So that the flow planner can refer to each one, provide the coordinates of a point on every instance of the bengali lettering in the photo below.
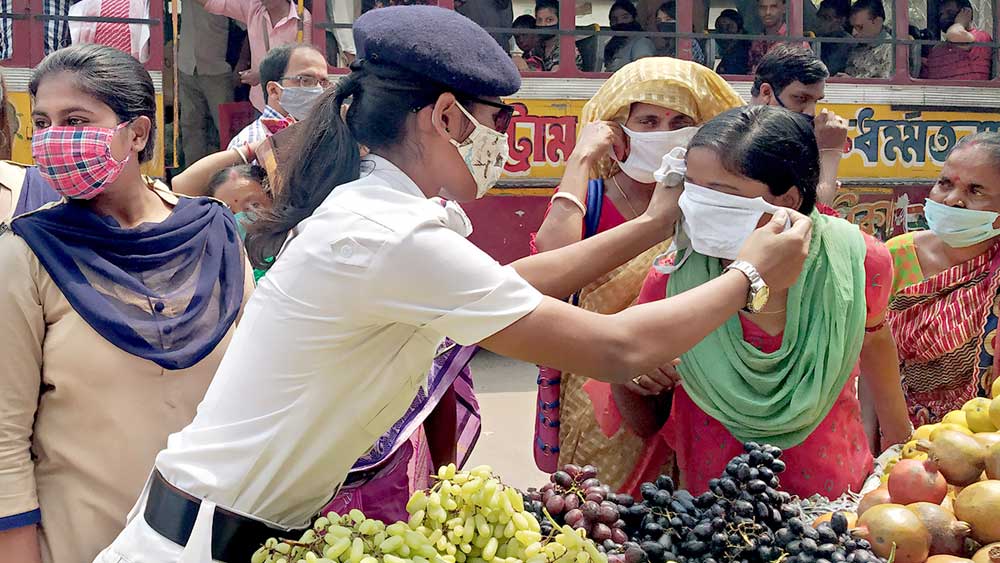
(539, 140)
(910, 141)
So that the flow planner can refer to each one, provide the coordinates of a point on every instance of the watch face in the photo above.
(759, 299)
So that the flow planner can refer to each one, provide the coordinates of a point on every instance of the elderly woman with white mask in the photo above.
(642, 112)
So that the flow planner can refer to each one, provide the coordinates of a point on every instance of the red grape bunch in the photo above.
(575, 496)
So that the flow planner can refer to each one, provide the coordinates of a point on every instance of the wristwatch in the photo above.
(759, 292)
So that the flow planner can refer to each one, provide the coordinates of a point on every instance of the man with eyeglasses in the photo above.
(293, 77)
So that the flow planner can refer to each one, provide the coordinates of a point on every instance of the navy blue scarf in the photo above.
(35, 192)
(167, 292)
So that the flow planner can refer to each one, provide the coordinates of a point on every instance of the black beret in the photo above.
(440, 44)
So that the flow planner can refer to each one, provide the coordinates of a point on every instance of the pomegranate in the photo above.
(888, 525)
(988, 554)
(947, 533)
(913, 481)
(874, 498)
(979, 505)
(959, 457)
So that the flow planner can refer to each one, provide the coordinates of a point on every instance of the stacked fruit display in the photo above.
(744, 517)
(575, 496)
(468, 516)
(940, 501)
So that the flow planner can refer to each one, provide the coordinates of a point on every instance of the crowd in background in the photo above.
(222, 44)
(124, 318)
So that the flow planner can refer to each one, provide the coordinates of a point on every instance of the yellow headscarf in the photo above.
(683, 86)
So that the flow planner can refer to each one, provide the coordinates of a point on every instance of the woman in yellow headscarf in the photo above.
(639, 115)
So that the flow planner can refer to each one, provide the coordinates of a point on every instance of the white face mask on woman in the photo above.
(717, 223)
(959, 227)
(647, 149)
(712, 223)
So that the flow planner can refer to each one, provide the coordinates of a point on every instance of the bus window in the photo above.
(66, 22)
(545, 53)
(743, 31)
(336, 26)
(833, 32)
(956, 42)
(629, 41)
(495, 16)
(340, 48)
(727, 51)
(869, 52)
(56, 31)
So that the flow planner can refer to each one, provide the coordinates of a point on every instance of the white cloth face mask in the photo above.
(646, 151)
(714, 224)
(673, 168)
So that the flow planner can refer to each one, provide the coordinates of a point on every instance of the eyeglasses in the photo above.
(502, 119)
(307, 81)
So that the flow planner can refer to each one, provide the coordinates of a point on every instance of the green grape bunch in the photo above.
(351, 538)
(466, 517)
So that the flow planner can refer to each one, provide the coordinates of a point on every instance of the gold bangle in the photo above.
(243, 157)
(572, 199)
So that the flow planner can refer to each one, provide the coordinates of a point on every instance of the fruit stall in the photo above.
(935, 500)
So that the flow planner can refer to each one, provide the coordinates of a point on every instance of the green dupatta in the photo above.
(781, 397)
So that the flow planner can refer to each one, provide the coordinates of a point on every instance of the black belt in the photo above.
(172, 513)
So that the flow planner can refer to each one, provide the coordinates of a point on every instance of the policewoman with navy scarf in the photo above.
(373, 271)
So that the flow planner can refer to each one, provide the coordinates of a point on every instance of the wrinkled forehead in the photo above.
(972, 165)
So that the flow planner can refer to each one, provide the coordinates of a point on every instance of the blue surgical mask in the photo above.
(243, 219)
(959, 227)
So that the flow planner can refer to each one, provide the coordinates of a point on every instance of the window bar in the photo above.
(567, 39)
(156, 54)
(684, 16)
(793, 18)
(995, 55)
(20, 35)
(901, 19)
(36, 33)
(319, 38)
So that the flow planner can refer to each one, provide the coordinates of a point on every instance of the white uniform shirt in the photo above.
(333, 345)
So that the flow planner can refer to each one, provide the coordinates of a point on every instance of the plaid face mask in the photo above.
(77, 161)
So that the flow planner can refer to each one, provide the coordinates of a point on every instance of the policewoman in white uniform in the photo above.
(373, 271)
